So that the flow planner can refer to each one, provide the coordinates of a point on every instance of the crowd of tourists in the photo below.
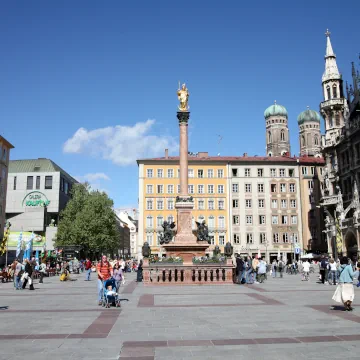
(342, 272)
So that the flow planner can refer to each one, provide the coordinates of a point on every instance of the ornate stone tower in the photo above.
(277, 131)
(309, 133)
(332, 108)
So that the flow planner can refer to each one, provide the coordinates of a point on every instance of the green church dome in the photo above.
(308, 116)
(275, 110)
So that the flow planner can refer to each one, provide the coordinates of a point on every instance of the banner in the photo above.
(38, 241)
(339, 243)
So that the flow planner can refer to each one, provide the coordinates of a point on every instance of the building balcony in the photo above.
(332, 102)
(329, 200)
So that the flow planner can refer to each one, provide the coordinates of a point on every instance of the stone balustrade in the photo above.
(195, 274)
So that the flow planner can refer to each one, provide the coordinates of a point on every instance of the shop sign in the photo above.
(35, 198)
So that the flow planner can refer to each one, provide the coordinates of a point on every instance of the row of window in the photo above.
(30, 182)
(211, 223)
(305, 170)
(210, 173)
(285, 220)
(261, 203)
(261, 188)
(170, 173)
(171, 203)
(191, 189)
(277, 238)
(282, 135)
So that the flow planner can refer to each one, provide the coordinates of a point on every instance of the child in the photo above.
(110, 291)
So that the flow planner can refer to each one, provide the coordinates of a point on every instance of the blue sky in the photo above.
(92, 85)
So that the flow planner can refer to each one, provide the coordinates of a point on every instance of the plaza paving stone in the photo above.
(281, 319)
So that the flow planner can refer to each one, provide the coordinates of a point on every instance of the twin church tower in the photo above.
(276, 116)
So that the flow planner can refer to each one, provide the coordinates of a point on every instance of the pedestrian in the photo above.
(239, 268)
(306, 270)
(117, 274)
(27, 276)
(323, 267)
(255, 263)
(344, 292)
(274, 268)
(261, 270)
(17, 274)
(249, 278)
(333, 271)
(280, 267)
(139, 272)
(42, 272)
(104, 271)
(88, 266)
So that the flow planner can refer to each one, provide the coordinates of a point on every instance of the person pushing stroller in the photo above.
(105, 272)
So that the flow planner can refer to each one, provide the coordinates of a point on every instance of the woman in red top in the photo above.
(104, 271)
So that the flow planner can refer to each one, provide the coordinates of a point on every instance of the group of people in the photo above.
(115, 269)
(251, 270)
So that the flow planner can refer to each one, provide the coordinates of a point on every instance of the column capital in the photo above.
(183, 117)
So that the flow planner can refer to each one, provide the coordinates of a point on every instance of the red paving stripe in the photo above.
(250, 341)
(103, 324)
(129, 289)
(148, 300)
(4, 311)
(254, 287)
(338, 311)
(264, 299)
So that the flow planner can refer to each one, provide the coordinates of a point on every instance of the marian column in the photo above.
(184, 202)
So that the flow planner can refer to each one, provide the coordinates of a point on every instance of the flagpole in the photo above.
(7, 249)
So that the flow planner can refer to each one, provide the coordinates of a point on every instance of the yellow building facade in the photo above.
(159, 185)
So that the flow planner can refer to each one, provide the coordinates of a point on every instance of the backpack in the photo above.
(323, 264)
(280, 265)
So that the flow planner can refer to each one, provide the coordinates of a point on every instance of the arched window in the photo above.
(201, 218)
(269, 137)
(159, 221)
(282, 135)
(328, 92)
(221, 222)
(170, 219)
(337, 119)
(149, 221)
(316, 140)
(270, 154)
(302, 140)
(334, 91)
(211, 222)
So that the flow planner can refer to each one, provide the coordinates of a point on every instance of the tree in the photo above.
(88, 220)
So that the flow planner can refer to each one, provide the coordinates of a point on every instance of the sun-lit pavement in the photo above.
(281, 319)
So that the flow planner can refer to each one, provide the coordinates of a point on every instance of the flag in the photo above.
(18, 248)
(339, 241)
(3, 244)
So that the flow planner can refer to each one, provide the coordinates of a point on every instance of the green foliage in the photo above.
(88, 220)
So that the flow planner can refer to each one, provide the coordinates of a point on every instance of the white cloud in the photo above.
(94, 180)
(122, 145)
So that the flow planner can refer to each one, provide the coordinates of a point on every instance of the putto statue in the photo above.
(202, 231)
(168, 233)
(183, 96)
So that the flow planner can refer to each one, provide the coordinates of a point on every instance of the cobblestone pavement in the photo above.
(281, 319)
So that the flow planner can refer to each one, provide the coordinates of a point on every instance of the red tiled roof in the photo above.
(274, 159)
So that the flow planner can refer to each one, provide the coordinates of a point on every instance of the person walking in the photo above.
(88, 266)
(255, 264)
(323, 267)
(333, 271)
(28, 275)
(281, 267)
(306, 270)
(17, 275)
(239, 269)
(42, 272)
(274, 268)
(261, 270)
(344, 292)
(105, 272)
(117, 274)
(139, 273)
(249, 279)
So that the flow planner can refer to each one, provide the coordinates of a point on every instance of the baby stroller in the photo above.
(109, 299)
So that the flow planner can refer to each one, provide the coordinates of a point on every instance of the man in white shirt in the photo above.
(306, 270)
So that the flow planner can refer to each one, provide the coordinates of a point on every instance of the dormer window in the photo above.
(334, 91)
(328, 93)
